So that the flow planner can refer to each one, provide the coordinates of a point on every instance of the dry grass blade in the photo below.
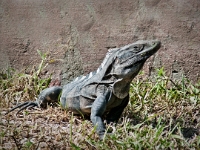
(161, 115)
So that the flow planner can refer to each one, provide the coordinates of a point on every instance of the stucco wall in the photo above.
(77, 34)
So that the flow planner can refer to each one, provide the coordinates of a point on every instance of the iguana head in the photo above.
(128, 60)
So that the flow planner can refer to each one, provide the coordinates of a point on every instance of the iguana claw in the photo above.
(24, 106)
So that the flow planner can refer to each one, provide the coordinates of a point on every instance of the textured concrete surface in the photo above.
(77, 34)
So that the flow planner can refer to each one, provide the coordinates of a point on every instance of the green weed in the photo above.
(161, 114)
(20, 86)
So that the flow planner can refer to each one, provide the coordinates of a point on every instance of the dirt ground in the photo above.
(76, 35)
(43, 129)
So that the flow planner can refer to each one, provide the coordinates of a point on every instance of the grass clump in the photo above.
(20, 86)
(161, 114)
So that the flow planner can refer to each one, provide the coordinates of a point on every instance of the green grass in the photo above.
(161, 114)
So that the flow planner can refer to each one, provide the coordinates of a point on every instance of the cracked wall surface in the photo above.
(77, 34)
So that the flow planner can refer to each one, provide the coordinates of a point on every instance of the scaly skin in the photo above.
(104, 92)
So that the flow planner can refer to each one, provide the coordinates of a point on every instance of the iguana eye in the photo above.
(138, 47)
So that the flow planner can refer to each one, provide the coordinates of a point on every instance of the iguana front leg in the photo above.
(97, 110)
(115, 113)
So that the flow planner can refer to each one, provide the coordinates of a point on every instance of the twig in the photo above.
(16, 143)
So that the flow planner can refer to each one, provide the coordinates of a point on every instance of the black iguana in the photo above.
(104, 92)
